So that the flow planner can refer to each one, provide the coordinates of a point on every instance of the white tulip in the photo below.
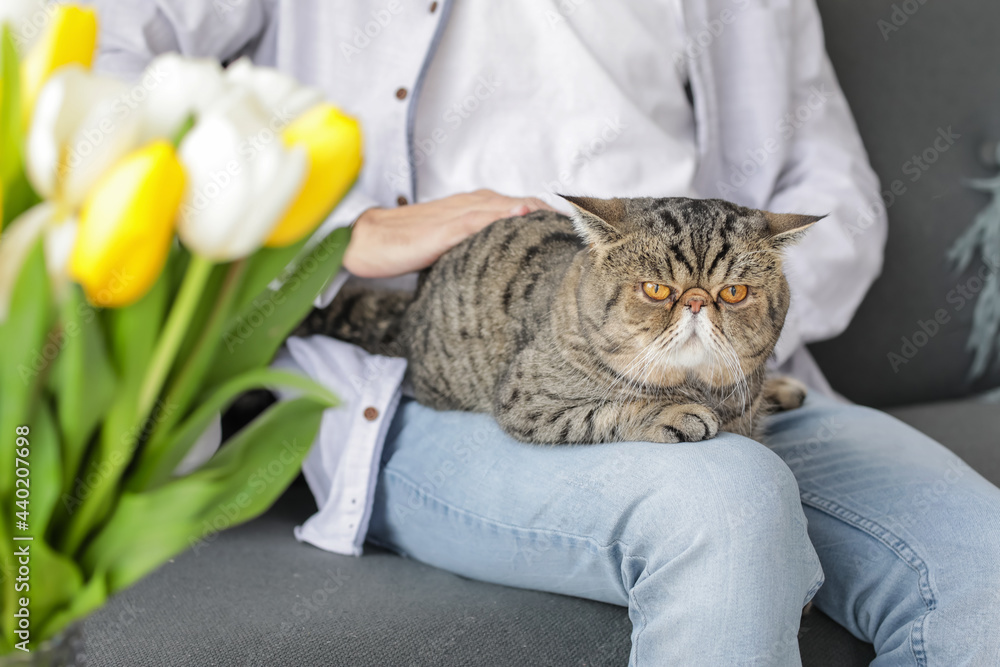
(241, 180)
(283, 97)
(176, 88)
(81, 127)
(59, 231)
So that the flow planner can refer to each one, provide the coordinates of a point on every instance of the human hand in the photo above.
(391, 242)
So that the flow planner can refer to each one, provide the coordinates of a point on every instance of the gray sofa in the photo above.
(254, 596)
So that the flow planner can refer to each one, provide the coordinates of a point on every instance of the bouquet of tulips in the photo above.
(155, 252)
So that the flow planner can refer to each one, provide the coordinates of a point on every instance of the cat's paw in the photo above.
(687, 423)
(784, 393)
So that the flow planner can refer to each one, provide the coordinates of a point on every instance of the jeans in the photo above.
(715, 546)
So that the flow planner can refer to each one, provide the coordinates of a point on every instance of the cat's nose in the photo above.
(694, 303)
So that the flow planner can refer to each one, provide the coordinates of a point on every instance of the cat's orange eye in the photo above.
(656, 291)
(733, 293)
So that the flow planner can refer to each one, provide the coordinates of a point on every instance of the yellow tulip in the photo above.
(70, 39)
(332, 141)
(127, 226)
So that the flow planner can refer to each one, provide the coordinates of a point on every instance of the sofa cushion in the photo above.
(255, 596)
(910, 71)
(970, 428)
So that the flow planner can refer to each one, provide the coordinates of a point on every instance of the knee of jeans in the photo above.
(739, 496)
(971, 582)
(955, 619)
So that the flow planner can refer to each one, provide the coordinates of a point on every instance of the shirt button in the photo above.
(434, 7)
(371, 414)
(401, 200)
(401, 94)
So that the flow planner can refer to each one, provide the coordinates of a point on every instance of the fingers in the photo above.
(473, 221)
(530, 205)
(535, 204)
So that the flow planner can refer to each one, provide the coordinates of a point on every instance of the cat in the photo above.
(638, 319)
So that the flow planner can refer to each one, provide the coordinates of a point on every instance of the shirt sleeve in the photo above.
(134, 32)
(827, 173)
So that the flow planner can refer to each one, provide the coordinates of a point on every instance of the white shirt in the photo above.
(616, 119)
(769, 129)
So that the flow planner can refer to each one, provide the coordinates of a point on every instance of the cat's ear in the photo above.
(597, 220)
(788, 228)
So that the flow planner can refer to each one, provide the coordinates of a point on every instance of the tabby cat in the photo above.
(634, 320)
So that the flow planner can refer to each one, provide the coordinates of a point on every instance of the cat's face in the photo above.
(682, 288)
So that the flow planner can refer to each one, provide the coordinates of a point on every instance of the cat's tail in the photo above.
(369, 318)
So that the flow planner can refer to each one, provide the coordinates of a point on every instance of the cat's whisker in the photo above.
(728, 356)
(641, 361)
(630, 383)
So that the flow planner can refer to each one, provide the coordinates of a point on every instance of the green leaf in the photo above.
(82, 600)
(83, 381)
(204, 310)
(264, 323)
(162, 456)
(54, 577)
(11, 154)
(24, 358)
(56, 582)
(18, 195)
(240, 482)
(266, 265)
(190, 369)
(101, 472)
(132, 331)
(46, 467)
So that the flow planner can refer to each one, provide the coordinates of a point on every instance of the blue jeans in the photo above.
(715, 547)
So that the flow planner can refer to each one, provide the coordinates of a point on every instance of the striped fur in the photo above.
(541, 321)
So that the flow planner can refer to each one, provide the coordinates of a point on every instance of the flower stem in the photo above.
(183, 131)
(170, 340)
(186, 382)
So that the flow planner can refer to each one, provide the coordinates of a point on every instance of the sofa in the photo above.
(254, 596)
